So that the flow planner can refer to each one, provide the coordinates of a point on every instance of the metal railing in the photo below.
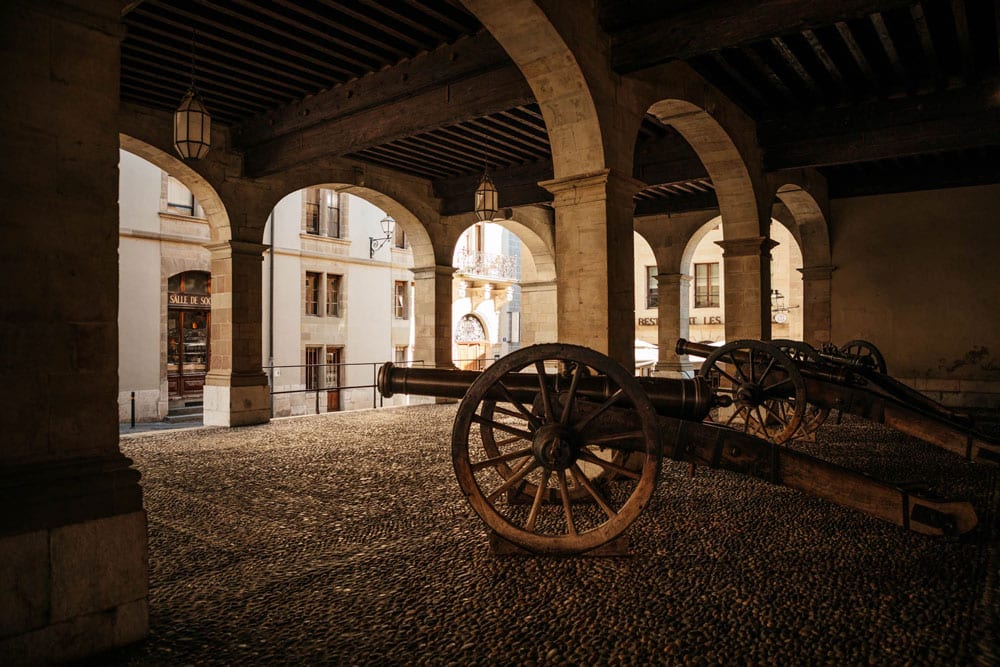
(488, 265)
(316, 374)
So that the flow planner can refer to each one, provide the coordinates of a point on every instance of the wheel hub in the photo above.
(750, 393)
(555, 446)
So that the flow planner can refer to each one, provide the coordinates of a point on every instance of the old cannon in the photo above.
(558, 448)
(781, 392)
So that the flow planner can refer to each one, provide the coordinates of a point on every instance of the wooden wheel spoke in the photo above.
(780, 383)
(479, 419)
(522, 472)
(608, 465)
(739, 369)
(732, 417)
(536, 504)
(604, 406)
(571, 394)
(510, 456)
(727, 375)
(543, 386)
(567, 508)
(752, 365)
(767, 370)
(777, 414)
(598, 497)
(517, 404)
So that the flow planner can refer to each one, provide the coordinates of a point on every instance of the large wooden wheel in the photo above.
(767, 391)
(555, 483)
(866, 352)
(798, 350)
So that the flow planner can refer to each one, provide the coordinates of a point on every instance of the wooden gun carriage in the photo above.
(784, 390)
(557, 448)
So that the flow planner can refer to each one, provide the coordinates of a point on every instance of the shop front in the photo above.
(189, 320)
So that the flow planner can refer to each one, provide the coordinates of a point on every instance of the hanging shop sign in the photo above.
(189, 300)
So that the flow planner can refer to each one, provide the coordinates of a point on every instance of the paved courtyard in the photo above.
(344, 539)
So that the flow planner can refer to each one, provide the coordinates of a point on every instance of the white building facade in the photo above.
(336, 304)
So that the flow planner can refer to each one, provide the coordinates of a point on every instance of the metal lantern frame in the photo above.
(192, 127)
(486, 199)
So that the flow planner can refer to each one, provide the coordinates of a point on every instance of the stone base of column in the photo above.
(231, 400)
(674, 369)
(73, 560)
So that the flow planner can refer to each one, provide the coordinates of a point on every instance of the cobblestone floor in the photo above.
(344, 539)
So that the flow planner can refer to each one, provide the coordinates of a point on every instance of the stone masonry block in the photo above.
(24, 582)
(98, 565)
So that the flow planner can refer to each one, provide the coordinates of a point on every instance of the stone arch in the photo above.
(208, 197)
(726, 165)
(405, 207)
(555, 76)
(804, 196)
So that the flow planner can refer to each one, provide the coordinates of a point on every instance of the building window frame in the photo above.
(401, 300)
(334, 294)
(312, 283)
(706, 285)
(652, 288)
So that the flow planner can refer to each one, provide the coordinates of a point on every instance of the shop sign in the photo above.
(647, 321)
(192, 300)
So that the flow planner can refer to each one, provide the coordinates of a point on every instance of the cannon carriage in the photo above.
(558, 448)
(783, 391)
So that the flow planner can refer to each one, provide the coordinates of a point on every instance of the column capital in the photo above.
(592, 186)
(817, 272)
(231, 248)
(427, 272)
(745, 247)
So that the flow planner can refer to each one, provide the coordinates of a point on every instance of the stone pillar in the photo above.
(747, 270)
(594, 259)
(674, 308)
(73, 544)
(538, 313)
(432, 293)
(236, 391)
(816, 300)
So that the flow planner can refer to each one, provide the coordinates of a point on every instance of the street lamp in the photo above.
(376, 242)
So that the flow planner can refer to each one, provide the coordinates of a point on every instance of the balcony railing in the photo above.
(489, 266)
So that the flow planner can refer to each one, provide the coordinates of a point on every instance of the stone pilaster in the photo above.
(539, 306)
(73, 544)
(432, 292)
(594, 258)
(674, 290)
(236, 391)
(816, 308)
(747, 271)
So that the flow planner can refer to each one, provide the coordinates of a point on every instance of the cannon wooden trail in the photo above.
(558, 448)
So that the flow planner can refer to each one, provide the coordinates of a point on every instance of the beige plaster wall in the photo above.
(916, 275)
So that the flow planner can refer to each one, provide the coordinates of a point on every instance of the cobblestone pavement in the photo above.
(344, 539)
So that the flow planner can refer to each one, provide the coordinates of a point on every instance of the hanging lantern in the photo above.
(486, 199)
(192, 127)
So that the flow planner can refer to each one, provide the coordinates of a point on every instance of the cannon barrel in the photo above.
(836, 374)
(689, 399)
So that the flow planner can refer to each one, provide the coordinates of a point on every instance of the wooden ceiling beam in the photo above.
(927, 44)
(844, 30)
(889, 48)
(398, 114)
(964, 118)
(964, 40)
(705, 27)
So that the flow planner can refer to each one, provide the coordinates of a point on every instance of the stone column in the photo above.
(236, 391)
(674, 291)
(816, 300)
(594, 258)
(747, 271)
(538, 313)
(432, 291)
(73, 543)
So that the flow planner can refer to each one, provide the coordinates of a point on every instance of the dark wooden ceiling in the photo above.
(881, 96)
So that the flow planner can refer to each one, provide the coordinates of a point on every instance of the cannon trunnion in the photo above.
(557, 448)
